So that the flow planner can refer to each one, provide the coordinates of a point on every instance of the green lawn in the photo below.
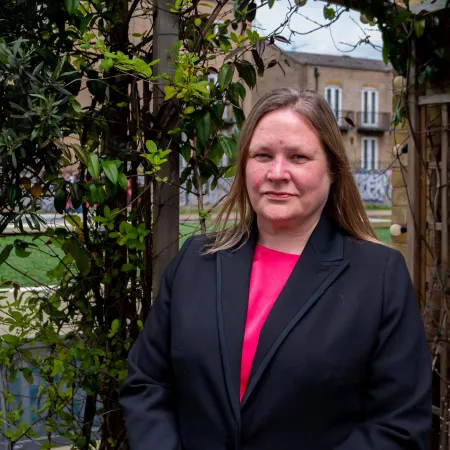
(35, 265)
(40, 261)
(375, 207)
(384, 235)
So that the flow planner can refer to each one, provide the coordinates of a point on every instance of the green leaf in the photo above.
(203, 127)
(259, 62)
(231, 172)
(247, 73)
(91, 194)
(13, 195)
(329, 13)
(169, 92)
(76, 195)
(186, 151)
(228, 145)
(123, 182)
(79, 254)
(216, 152)
(94, 165)
(71, 5)
(151, 147)
(115, 325)
(385, 53)
(74, 220)
(225, 75)
(419, 27)
(10, 338)
(80, 153)
(128, 267)
(5, 253)
(21, 252)
(111, 171)
(251, 12)
(57, 367)
(237, 91)
(26, 372)
(60, 200)
(126, 227)
(100, 194)
(239, 116)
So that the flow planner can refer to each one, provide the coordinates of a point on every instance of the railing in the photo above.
(373, 121)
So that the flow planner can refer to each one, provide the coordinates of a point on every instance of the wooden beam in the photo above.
(166, 196)
(436, 99)
(413, 258)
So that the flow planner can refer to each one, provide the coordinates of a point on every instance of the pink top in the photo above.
(270, 271)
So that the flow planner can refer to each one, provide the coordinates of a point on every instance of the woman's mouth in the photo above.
(278, 195)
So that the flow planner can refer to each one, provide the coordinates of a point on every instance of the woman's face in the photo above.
(287, 175)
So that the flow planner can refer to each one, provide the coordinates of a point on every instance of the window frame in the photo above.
(372, 110)
(215, 77)
(336, 111)
(372, 153)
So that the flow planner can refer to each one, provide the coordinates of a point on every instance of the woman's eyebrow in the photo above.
(260, 146)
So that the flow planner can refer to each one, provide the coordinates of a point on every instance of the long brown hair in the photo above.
(344, 204)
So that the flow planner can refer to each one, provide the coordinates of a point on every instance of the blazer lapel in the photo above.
(233, 283)
(319, 265)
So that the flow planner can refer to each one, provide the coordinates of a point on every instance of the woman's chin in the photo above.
(280, 217)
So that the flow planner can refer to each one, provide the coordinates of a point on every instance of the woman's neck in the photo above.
(285, 238)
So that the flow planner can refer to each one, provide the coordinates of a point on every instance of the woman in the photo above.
(294, 329)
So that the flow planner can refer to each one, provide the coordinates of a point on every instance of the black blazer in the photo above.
(342, 361)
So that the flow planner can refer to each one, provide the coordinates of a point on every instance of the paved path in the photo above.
(379, 212)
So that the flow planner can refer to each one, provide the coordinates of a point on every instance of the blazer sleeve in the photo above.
(148, 394)
(397, 397)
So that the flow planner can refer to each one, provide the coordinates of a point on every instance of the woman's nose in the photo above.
(278, 170)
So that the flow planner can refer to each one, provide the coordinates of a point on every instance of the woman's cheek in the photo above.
(255, 177)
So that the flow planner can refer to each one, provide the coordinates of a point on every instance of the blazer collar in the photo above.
(326, 240)
(319, 265)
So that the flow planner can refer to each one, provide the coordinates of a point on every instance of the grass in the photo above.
(41, 259)
(384, 235)
(35, 266)
(374, 206)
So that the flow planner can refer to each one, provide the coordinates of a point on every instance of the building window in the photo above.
(213, 77)
(369, 156)
(369, 107)
(225, 113)
(333, 95)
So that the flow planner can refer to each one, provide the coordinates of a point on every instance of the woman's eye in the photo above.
(262, 156)
(300, 158)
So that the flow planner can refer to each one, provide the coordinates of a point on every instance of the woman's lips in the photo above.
(278, 195)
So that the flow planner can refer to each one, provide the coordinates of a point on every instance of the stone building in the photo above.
(357, 88)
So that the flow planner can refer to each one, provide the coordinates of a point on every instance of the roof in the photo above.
(345, 62)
